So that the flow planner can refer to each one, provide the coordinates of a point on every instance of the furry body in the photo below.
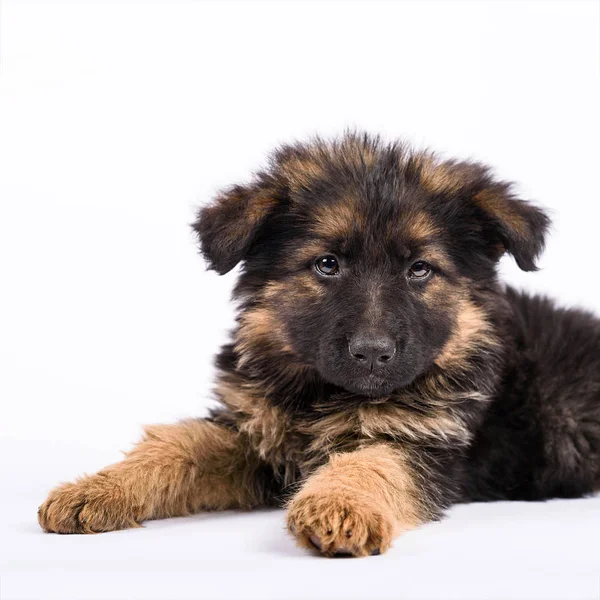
(487, 393)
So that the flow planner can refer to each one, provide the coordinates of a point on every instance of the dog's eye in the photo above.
(420, 270)
(327, 265)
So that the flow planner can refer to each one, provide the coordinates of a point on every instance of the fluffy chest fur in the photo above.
(295, 444)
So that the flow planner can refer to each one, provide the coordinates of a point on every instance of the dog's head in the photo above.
(361, 260)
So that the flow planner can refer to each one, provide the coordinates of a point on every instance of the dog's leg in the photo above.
(175, 470)
(356, 503)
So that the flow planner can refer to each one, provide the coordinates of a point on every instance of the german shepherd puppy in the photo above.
(378, 372)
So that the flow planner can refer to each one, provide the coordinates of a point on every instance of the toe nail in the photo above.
(376, 552)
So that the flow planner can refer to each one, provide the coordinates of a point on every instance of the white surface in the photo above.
(116, 119)
(546, 551)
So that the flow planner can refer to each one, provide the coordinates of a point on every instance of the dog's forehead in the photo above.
(358, 190)
(383, 198)
(386, 220)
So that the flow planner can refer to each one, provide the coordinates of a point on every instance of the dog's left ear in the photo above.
(505, 223)
(511, 225)
(228, 226)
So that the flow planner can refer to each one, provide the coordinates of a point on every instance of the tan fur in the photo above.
(284, 292)
(259, 207)
(175, 470)
(306, 165)
(437, 255)
(344, 429)
(439, 177)
(420, 227)
(275, 290)
(356, 503)
(392, 421)
(339, 220)
(267, 427)
(354, 151)
(438, 391)
(497, 205)
(451, 177)
(301, 171)
(261, 330)
(440, 291)
(260, 327)
(471, 330)
(308, 252)
(305, 284)
(251, 210)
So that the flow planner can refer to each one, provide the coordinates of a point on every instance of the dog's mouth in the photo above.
(374, 388)
(377, 389)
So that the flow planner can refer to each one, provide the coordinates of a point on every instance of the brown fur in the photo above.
(340, 222)
(265, 426)
(260, 326)
(471, 329)
(175, 470)
(444, 176)
(356, 503)
(253, 209)
(300, 171)
(494, 204)
(421, 227)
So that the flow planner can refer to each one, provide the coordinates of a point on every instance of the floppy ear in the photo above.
(506, 223)
(512, 225)
(227, 227)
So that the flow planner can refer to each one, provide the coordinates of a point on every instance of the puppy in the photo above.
(378, 372)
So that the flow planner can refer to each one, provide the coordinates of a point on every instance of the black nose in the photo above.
(371, 350)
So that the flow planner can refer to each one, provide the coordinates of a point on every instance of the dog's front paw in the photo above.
(90, 505)
(338, 521)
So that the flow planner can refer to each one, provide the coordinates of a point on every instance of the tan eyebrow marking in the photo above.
(420, 226)
(309, 251)
(340, 219)
(435, 253)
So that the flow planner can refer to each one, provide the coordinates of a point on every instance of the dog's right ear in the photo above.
(228, 226)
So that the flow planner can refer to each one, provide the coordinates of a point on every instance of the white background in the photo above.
(116, 120)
